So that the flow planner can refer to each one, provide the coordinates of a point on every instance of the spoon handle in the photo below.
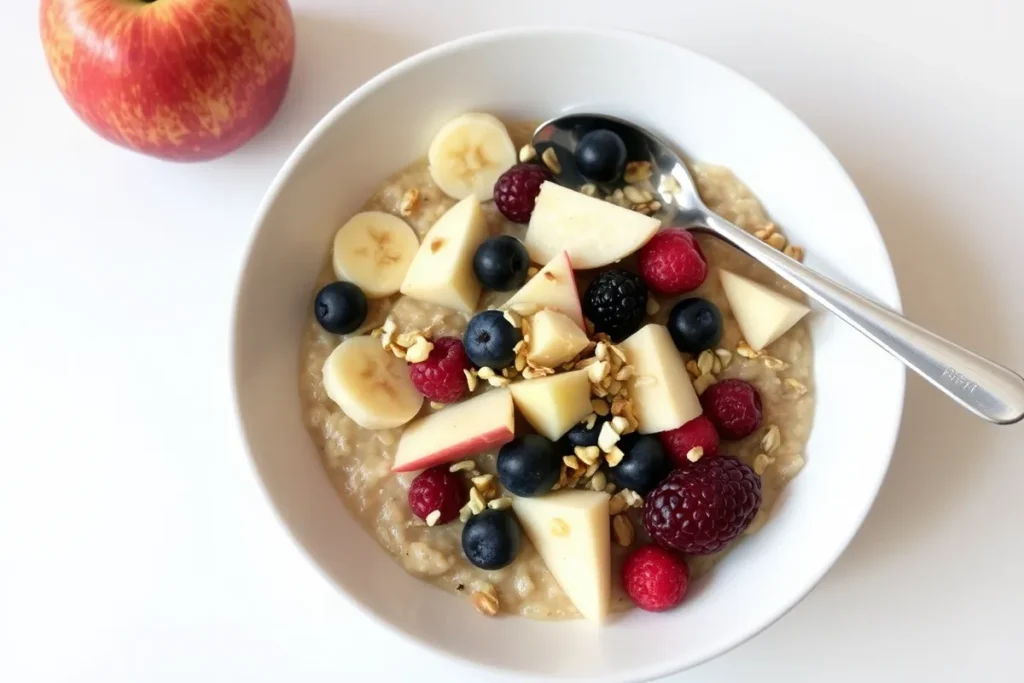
(985, 388)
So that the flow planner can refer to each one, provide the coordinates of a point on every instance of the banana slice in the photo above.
(468, 155)
(373, 250)
(370, 385)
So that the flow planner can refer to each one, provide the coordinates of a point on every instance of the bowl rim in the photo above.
(891, 297)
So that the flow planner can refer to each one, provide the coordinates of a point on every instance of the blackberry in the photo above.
(616, 302)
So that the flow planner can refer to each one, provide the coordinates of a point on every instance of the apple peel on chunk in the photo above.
(593, 232)
(663, 395)
(763, 314)
(553, 287)
(461, 430)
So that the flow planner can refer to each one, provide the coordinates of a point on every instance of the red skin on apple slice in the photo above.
(478, 444)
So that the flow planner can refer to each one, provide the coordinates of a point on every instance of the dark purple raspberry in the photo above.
(699, 510)
(515, 193)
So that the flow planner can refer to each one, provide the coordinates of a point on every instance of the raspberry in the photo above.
(516, 191)
(437, 489)
(672, 263)
(734, 407)
(616, 302)
(697, 432)
(440, 377)
(700, 509)
(654, 578)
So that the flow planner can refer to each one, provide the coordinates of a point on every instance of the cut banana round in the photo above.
(373, 250)
(468, 155)
(370, 385)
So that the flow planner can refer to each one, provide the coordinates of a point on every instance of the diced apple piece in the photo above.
(663, 396)
(554, 404)
(554, 339)
(441, 272)
(763, 314)
(474, 426)
(570, 531)
(594, 232)
(553, 287)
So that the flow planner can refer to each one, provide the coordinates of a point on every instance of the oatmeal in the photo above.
(359, 460)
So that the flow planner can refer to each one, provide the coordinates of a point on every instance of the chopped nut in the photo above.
(588, 454)
(625, 373)
(600, 407)
(485, 484)
(776, 364)
(693, 368)
(550, 159)
(618, 196)
(476, 501)
(761, 463)
(514, 319)
(590, 421)
(619, 353)
(419, 351)
(601, 351)
(397, 350)
(716, 367)
(766, 232)
(695, 453)
(586, 363)
(598, 480)
(560, 528)
(725, 356)
(465, 512)
(592, 469)
(589, 189)
(499, 381)
(508, 372)
(436, 406)
(776, 241)
(654, 206)
(376, 332)
(617, 504)
(485, 603)
(744, 350)
(614, 386)
(701, 384)
(532, 270)
(527, 153)
(500, 503)
(607, 438)
(623, 530)
(571, 461)
(432, 518)
(771, 439)
(791, 466)
(598, 371)
(633, 498)
(470, 380)
(652, 306)
(614, 456)
(410, 202)
(794, 252)
(795, 387)
(610, 488)
(638, 171)
(485, 373)
(633, 194)
(619, 406)
(619, 424)
(598, 391)
(705, 362)
(462, 465)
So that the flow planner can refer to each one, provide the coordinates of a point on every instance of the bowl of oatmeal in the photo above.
(491, 408)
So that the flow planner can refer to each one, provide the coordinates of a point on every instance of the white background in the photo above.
(134, 542)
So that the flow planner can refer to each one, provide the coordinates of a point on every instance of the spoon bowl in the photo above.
(985, 388)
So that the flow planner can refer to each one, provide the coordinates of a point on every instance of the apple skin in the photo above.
(184, 80)
(472, 446)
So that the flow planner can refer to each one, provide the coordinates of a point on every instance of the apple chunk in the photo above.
(554, 404)
(441, 272)
(593, 232)
(763, 314)
(553, 287)
(479, 424)
(554, 339)
(663, 396)
(570, 531)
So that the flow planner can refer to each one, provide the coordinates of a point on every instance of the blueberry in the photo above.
(695, 324)
(490, 340)
(490, 540)
(500, 263)
(616, 302)
(601, 156)
(529, 465)
(340, 307)
(643, 466)
(579, 435)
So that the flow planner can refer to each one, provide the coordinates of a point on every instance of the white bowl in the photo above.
(712, 114)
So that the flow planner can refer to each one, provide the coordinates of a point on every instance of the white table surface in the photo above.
(134, 542)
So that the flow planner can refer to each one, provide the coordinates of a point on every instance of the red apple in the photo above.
(178, 79)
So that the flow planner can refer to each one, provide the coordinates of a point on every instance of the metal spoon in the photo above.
(985, 388)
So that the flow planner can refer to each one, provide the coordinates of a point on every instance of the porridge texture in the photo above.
(359, 461)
